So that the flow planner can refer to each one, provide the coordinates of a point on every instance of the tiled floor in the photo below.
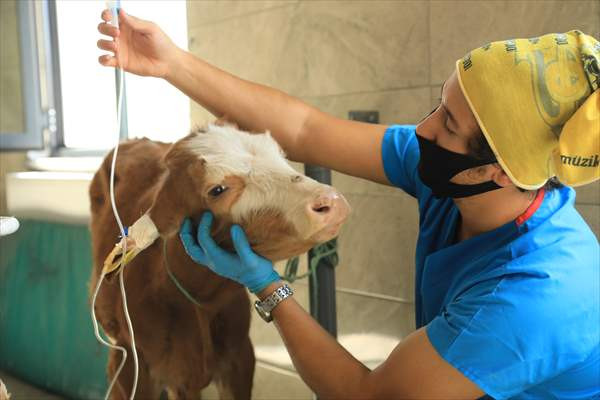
(20, 390)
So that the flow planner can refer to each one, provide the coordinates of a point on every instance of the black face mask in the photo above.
(438, 165)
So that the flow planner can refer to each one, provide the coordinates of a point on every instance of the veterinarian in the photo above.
(507, 271)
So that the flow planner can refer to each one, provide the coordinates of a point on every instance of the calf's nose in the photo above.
(322, 204)
(326, 213)
(329, 204)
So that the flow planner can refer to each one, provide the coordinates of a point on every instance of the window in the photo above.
(21, 117)
(73, 83)
(153, 108)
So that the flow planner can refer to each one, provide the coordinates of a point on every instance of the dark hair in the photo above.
(480, 149)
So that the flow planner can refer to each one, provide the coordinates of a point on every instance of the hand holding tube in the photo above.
(113, 6)
(139, 46)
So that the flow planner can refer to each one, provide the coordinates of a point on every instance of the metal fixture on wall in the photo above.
(322, 289)
(369, 116)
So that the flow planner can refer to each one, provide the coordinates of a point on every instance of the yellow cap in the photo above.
(538, 104)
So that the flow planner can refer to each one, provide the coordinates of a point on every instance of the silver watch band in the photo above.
(265, 307)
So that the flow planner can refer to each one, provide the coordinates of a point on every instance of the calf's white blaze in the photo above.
(259, 161)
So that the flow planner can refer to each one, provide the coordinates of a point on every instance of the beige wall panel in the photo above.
(270, 384)
(349, 185)
(9, 162)
(588, 194)
(263, 334)
(297, 166)
(591, 214)
(436, 92)
(406, 106)
(362, 319)
(323, 48)
(273, 384)
(460, 26)
(205, 12)
(360, 314)
(248, 47)
(199, 116)
(342, 47)
(377, 245)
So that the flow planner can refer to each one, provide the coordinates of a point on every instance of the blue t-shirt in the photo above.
(516, 309)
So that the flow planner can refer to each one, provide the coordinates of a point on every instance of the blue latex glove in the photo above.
(245, 267)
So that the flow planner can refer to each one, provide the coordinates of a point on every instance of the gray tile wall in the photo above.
(390, 56)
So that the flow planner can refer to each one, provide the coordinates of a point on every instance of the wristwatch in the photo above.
(265, 307)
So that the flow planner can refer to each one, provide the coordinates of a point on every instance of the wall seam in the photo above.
(360, 92)
(238, 16)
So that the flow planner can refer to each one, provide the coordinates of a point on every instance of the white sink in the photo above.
(49, 196)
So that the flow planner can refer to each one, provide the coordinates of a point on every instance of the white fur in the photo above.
(261, 163)
(229, 151)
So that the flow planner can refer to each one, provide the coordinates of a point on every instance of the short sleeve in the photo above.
(400, 154)
(505, 336)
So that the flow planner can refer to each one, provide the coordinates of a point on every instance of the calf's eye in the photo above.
(217, 191)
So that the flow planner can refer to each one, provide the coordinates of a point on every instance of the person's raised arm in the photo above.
(305, 133)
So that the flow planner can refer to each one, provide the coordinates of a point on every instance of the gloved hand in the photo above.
(245, 267)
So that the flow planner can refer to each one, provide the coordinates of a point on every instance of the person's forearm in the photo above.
(324, 365)
(252, 106)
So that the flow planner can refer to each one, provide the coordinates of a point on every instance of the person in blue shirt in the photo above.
(507, 272)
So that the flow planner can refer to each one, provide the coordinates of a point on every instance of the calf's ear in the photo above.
(196, 170)
(179, 195)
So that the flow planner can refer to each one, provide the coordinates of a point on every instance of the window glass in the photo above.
(154, 109)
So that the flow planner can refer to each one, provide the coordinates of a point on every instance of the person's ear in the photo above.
(500, 177)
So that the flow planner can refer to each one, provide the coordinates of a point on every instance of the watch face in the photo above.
(264, 315)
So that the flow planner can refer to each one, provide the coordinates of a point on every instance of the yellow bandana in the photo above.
(538, 104)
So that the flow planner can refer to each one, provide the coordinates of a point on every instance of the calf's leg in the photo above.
(236, 372)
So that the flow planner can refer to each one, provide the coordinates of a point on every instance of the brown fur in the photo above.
(181, 346)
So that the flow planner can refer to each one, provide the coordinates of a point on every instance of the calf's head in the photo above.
(245, 179)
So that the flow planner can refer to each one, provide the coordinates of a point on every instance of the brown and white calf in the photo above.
(242, 179)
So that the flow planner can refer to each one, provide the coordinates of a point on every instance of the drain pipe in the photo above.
(324, 311)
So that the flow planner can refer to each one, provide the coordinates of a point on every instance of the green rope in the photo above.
(174, 279)
(327, 251)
